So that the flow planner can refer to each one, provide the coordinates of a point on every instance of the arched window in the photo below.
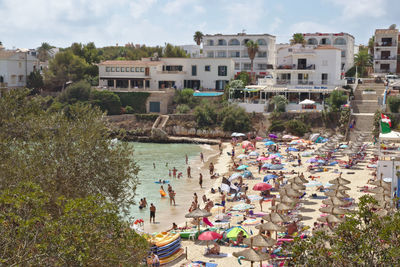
(245, 41)
(312, 41)
(221, 42)
(234, 42)
(210, 42)
(340, 41)
(325, 41)
(261, 42)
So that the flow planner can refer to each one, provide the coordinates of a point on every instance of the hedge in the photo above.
(137, 100)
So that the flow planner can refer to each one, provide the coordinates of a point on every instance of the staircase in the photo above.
(364, 107)
(157, 130)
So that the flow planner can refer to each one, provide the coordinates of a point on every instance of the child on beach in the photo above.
(169, 172)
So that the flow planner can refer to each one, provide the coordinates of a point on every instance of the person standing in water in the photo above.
(186, 159)
(152, 212)
(201, 157)
(188, 172)
(201, 180)
(154, 165)
(174, 170)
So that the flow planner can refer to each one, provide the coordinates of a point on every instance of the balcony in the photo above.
(324, 81)
(171, 72)
(296, 67)
(385, 58)
(282, 82)
(386, 43)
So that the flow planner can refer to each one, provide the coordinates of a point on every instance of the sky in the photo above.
(28, 23)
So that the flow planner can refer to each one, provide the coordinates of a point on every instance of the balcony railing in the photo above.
(324, 81)
(171, 72)
(393, 43)
(295, 67)
(385, 58)
(282, 81)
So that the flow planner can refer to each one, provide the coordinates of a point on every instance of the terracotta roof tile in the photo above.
(138, 63)
(4, 54)
(326, 47)
(386, 31)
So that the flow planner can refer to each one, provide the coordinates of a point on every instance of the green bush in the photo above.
(186, 97)
(146, 117)
(129, 110)
(276, 126)
(296, 127)
(79, 91)
(394, 104)
(137, 100)
(206, 115)
(336, 100)
(182, 109)
(107, 101)
(235, 119)
(280, 103)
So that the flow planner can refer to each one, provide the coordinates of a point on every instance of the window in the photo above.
(290, 50)
(324, 78)
(221, 54)
(325, 41)
(245, 53)
(262, 54)
(234, 42)
(108, 69)
(221, 42)
(112, 69)
(343, 53)
(261, 42)
(342, 66)
(207, 68)
(222, 70)
(340, 41)
(142, 69)
(132, 69)
(122, 69)
(324, 62)
(19, 65)
(194, 70)
(245, 41)
(210, 42)
(261, 66)
(127, 69)
(117, 69)
(220, 84)
(235, 54)
(385, 67)
(20, 78)
(312, 41)
(237, 66)
(247, 66)
(137, 69)
(173, 68)
(210, 54)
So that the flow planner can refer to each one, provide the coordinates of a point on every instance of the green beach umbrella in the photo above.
(234, 231)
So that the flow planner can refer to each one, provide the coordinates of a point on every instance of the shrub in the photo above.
(137, 100)
(182, 109)
(336, 100)
(146, 117)
(79, 91)
(206, 115)
(276, 126)
(394, 104)
(185, 96)
(296, 127)
(129, 110)
(235, 119)
(107, 101)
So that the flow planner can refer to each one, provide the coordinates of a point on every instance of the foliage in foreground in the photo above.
(84, 231)
(336, 100)
(364, 239)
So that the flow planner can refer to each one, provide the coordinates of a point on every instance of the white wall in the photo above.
(16, 68)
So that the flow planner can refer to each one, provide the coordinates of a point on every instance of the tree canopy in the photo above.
(297, 38)
(198, 37)
(43, 52)
(336, 100)
(363, 60)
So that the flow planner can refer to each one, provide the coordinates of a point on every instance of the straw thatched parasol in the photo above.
(259, 241)
(198, 213)
(337, 193)
(379, 190)
(333, 210)
(281, 207)
(381, 183)
(334, 201)
(276, 218)
(290, 192)
(288, 200)
(251, 255)
(298, 180)
(270, 226)
(339, 180)
(295, 186)
(339, 187)
(382, 198)
(330, 219)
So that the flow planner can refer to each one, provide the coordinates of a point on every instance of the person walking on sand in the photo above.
(172, 197)
(174, 170)
(259, 166)
(188, 172)
(201, 157)
(152, 212)
(211, 168)
(261, 202)
(154, 165)
(169, 172)
(201, 180)
(223, 197)
(186, 159)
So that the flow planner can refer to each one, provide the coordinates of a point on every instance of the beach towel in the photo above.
(220, 255)
(206, 221)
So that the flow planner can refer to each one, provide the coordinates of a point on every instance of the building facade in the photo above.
(15, 66)
(191, 50)
(342, 41)
(386, 50)
(155, 74)
(234, 47)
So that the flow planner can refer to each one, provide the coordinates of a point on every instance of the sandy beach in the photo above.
(310, 206)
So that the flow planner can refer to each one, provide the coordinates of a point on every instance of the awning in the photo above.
(392, 136)
(307, 102)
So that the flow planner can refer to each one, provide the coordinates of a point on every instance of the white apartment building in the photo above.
(386, 50)
(191, 50)
(155, 74)
(234, 47)
(15, 66)
(342, 41)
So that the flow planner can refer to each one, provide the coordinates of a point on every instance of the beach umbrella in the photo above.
(198, 213)
(379, 190)
(265, 140)
(209, 235)
(270, 226)
(295, 186)
(344, 146)
(272, 156)
(335, 201)
(246, 144)
(258, 138)
(241, 207)
(339, 187)
(287, 136)
(242, 156)
(269, 143)
(298, 180)
(216, 209)
(233, 232)
(242, 167)
(247, 174)
(276, 217)
(380, 183)
(337, 193)
(273, 136)
(313, 160)
(330, 219)
(255, 197)
(339, 180)
(287, 200)
(290, 192)
(261, 158)
(281, 207)
(292, 149)
(259, 241)
(254, 154)
(251, 255)
(267, 165)
(333, 210)
(234, 134)
(269, 177)
(278, 155)
(276, 167)
(387, 180)
(234, 176)
(262, 187)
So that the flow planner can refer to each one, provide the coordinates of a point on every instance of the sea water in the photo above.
(165, 157)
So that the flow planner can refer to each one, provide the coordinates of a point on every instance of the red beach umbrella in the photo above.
(262, 187)
(209, 235)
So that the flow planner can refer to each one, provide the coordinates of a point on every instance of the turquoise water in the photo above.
(161, 154)
(207, 93)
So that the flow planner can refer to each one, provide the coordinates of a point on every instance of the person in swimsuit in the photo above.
(152, 212)
(201, 180)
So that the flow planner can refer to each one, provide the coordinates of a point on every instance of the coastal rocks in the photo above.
(158, 134)
(178, 130)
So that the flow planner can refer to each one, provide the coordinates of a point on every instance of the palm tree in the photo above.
(298, 38)
(252, 49)
(363, 60)
(371, 44)
(198, 37)
(280, 102)
(392, 27)
(43, 51)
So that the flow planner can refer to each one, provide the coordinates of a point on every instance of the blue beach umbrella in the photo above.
(266, 165)
(276, 167)
(242, 167)
(234, 176)
(292, 149)
(344, 146)
(254, 154)
(247, 174)
(321, 161)
(266, 140)
(269, 143)
(269, 177)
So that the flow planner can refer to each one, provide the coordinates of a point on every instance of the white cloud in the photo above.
(353, 9)
(241, 15)
(138, 7)
(310, 27)
(274, 25)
